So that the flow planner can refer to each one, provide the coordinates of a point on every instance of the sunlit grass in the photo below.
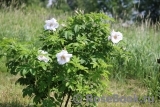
(11, 93)
(142, 41)
(129, 88)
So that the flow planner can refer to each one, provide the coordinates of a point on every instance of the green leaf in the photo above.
(32, 71)
(67, 84)
(68, 34)
(76, 28)
(28, 91)
(69, 70)
(24, 72)
(44, 67)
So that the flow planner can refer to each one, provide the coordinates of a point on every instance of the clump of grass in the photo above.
(129, 88)
(11, 93)
(142, 41)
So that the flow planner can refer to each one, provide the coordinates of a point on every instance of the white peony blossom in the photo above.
(63, 57)
(51, 24)
(43, 56)
(115, 36)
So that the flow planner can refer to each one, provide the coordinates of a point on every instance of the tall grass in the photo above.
(142, 41)
(11, 94)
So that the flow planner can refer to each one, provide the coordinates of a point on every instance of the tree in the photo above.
(149, 9)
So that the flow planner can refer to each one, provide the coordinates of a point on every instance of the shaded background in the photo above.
(124, 9)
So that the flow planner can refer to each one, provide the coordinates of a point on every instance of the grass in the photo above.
(142, 41)
(11, 93)
(138, 75)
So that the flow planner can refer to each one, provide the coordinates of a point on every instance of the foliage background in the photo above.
(124, 9)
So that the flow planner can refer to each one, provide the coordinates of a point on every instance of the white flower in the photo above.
(115, 36)
(51, 24)
(43, 56)
(63, 57)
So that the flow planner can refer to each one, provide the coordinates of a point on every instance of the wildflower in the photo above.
(115, 36)
(63, 57)
(43, 56)
(51, 24)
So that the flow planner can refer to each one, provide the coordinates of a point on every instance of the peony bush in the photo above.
(73, 59)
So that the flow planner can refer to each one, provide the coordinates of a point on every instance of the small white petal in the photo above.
(58, 55)
(52, 28)
(64, 52)
(115, 40)
(46, 27)
(68, 55)
(42, 56)
(53, 20)
(67, 59)
(56, 25)
(43, 52)
(109, 37)
(61, 62)
(46, 59)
